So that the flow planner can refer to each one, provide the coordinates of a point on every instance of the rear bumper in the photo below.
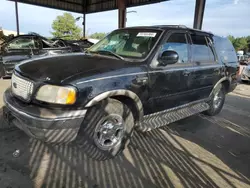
(48, 125)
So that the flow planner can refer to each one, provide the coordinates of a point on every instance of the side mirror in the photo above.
(168, 57)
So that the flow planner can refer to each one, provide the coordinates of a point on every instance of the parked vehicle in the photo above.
(84, 43)
(135, 78)
(245, 73)
(25, 47)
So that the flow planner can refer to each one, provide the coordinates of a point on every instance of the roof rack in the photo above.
(176, 26)
(185, 27)
(201, 30)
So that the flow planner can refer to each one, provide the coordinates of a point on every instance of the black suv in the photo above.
(135, 78)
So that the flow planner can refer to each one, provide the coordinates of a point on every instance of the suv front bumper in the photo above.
(48, 125)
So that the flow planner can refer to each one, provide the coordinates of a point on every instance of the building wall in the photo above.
(9, 32)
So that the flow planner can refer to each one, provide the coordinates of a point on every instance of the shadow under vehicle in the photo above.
(135, 78)
(31, 46)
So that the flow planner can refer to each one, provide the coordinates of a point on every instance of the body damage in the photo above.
(12, 55)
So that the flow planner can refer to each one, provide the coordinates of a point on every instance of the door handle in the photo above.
(217, 70)
(186, 73)
(142, 80)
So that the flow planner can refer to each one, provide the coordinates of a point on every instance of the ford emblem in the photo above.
(14, 85)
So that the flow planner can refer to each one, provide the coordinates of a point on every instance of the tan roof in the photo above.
(9, 32)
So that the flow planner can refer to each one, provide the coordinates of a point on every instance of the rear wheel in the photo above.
(106, 129)
(217, 101)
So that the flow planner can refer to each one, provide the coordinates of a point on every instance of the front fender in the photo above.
(119, 92)
(92, 91)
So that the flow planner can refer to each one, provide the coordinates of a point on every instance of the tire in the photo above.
(95, 127)
(215, 107)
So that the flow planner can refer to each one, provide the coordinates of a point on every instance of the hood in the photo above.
(56, 69)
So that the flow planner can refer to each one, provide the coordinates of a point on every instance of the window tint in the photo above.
(177, 42)
(201, 51)
(225, 50)
(22, 43)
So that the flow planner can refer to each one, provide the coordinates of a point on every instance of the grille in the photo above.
(21, 87)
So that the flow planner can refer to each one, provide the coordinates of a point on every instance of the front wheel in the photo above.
(217, 101)
(106, 129)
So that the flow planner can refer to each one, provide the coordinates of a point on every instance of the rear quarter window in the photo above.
(225, 50)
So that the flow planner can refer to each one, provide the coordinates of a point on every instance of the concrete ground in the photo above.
(199, 151)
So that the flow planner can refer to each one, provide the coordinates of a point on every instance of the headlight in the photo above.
(56, 94)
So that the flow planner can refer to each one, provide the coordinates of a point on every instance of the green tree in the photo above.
(248, 42)
(65, 27)
(98, 35)
(231, 38)
(240, 44)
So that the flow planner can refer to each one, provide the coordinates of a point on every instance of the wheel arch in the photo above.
(225, 82)
(125, 96)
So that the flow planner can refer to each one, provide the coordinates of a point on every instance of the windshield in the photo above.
(128, 43)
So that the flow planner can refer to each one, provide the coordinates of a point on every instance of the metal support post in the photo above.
(199, 12)
(83, 25)
(17, 20)
(121, 13)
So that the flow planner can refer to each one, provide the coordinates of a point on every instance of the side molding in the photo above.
(118, 92)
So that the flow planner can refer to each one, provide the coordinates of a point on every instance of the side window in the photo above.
(201, 50)
(177, 42)
(225, 50)
(22, 43)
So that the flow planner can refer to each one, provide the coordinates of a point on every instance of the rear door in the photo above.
(169, 84)
(207, 70)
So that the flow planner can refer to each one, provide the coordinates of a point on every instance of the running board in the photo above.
(155, 120)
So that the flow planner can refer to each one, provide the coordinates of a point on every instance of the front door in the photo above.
(169, 84)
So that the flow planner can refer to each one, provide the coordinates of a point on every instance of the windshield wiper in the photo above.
(107, 52)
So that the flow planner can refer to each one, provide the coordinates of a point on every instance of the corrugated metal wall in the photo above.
(87, 6)
(100, 5)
